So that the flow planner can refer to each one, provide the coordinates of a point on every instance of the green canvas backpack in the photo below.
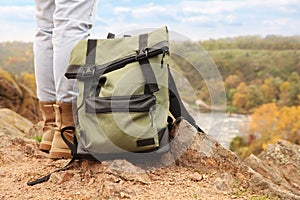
(124, 96)
(127, 97)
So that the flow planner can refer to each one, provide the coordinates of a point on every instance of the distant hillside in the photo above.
(16, 57)
(255, 70)
(270, 42)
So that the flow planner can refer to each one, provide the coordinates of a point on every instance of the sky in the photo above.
(197, 20)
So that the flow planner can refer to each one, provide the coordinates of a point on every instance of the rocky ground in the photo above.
(197, 167)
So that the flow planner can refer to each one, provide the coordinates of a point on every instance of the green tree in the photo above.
(254, 97)
(294, 90)
(231, 83)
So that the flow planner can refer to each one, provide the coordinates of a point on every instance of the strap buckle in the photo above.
(88, 71)
(142, 53)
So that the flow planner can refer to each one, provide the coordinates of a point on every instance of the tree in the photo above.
(271, 122)
(254, 97)
(284, 97)
(240, 97)
(232, 81)
(269, 90)
(294, 90)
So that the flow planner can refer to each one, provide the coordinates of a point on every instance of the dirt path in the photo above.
(21, 161)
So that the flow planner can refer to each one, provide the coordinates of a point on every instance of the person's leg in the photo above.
(43, 50)
(43, 66)
(72, 21)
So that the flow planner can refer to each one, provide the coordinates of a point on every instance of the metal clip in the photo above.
(141, 54)
(88, 71)
(146, 52)
(151, 115)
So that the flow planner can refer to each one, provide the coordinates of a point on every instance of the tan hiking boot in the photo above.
(63, 118)
(48, 117)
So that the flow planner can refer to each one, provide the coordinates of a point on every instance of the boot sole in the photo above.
(45, 146)
(60, 153)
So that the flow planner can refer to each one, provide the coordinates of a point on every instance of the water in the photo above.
(223, 127)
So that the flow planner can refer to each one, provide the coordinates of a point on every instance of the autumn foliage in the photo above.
(270, 123)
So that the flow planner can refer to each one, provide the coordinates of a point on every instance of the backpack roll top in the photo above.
(123, 101)
(112, 54)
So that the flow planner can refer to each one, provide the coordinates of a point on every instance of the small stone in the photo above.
(2, 174)
(29, 149)
(92, 180)
(76, 178)
(224, 182)
(196, 177)
(61, 177)
(122, 194)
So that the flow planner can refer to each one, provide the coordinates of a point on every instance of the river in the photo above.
(223, 127)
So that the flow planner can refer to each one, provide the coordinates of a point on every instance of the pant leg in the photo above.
(43, 50)
(72, 22)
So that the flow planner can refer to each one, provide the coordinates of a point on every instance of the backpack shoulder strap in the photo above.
(73, 148)
(177, 107)
(47, 177)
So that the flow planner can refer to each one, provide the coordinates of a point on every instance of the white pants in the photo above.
(60, 25)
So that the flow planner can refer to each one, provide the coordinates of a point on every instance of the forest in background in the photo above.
(258, 70)
(255, 70)
(261, 76)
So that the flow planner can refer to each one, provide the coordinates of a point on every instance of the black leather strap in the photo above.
(151, 82)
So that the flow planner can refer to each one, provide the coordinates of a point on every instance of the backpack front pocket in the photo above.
(124, 123)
